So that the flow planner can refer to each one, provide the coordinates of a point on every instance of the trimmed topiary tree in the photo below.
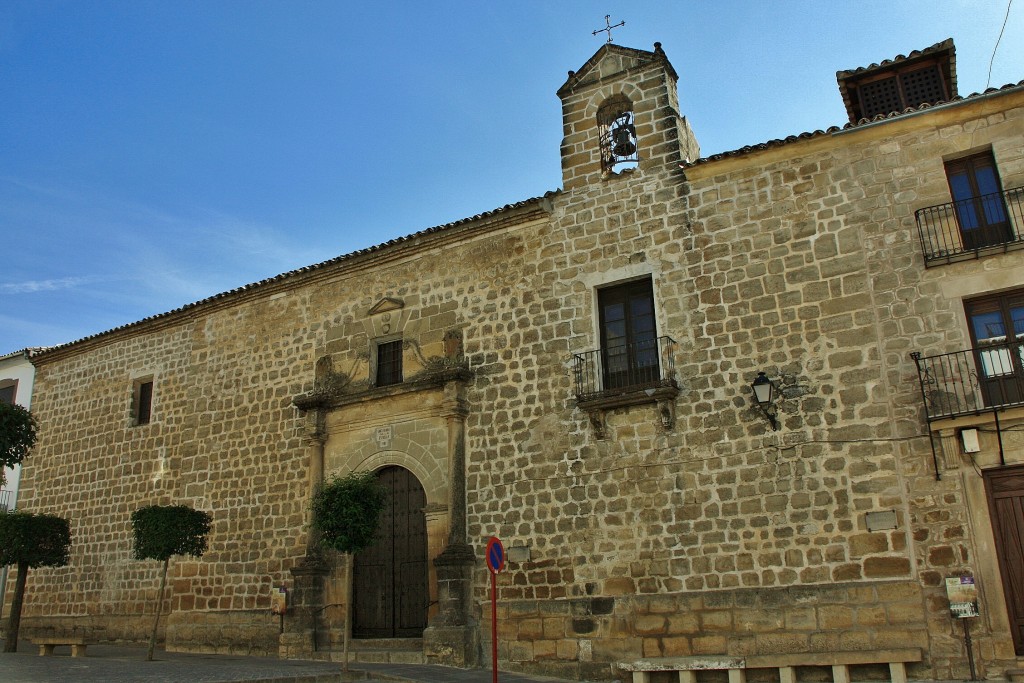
(18, 430)
(346, 513)
(30, 540)
(161, 531)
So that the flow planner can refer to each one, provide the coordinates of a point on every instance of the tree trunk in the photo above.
(159, 608)
(348, 605)
(11, 643)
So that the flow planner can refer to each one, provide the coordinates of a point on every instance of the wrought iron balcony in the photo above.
(5, 497)
(965, 229)
(974, 381)
(623, 370)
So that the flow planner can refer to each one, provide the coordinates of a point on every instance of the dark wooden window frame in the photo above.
(6, 384)
(142, 401)
(985, 210)
(1001, 369)
(629, 344)
(388, 362)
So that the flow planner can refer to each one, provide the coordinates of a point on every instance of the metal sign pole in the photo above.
(495, 556)
(963, 605)
(494, 626)
(970, 649)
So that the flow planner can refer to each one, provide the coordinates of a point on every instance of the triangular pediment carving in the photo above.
(386, 305)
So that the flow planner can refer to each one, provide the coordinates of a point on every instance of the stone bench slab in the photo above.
(697, 663)
(47, 643)
(785, 663)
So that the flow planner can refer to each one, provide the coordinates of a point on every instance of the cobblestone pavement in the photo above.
(126, 664)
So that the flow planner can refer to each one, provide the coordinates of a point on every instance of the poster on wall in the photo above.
(279, 601)
(963, 597)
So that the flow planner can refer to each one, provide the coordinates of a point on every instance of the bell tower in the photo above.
(620, 114)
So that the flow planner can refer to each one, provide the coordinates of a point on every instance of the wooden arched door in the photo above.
(390, 577)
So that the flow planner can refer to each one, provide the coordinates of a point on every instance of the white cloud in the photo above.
(32, 286)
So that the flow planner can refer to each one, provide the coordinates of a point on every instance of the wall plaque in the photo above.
(383, 436)
(880, 521)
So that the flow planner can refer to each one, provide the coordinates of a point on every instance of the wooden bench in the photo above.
(47, 643)
(687, 667)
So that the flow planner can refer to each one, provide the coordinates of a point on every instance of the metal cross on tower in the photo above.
(608, 27)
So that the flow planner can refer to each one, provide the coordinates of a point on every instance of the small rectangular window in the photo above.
(389, 363)
(142, 402)
(8, 391)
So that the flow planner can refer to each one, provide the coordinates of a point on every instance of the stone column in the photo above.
(315, 453)
(453, 638)
(306, 601)
(302, 630)
(455, 412)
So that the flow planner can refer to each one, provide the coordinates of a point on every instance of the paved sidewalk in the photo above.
(424, 673)
(126, 664)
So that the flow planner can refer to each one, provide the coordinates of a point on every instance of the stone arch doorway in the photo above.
(390, 594)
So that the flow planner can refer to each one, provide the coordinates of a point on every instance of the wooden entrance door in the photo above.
(390, 578)
(1005, 488)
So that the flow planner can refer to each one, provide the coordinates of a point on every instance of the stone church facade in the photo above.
(572, 374)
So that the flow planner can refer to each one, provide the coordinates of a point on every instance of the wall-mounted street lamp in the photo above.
(764, 395)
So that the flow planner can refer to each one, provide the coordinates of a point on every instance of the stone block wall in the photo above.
(222, 439)
(664, 137)
(225, 436)
(710, 534)
(802, 261)
(584, 637)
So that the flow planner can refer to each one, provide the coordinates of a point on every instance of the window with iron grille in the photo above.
(389, 363)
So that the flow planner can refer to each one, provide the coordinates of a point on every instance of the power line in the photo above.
(992, 61)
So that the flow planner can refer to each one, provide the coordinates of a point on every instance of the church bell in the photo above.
(623, 134)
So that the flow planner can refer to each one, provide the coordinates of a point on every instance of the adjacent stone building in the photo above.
(572, 374)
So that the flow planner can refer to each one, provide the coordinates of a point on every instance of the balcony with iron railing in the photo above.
(639, 369)
(5, 500)
(970, 228)
(974, 381)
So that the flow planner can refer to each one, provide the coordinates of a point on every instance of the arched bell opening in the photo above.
(619, 148)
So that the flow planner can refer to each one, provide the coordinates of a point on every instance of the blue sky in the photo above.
(156, 153)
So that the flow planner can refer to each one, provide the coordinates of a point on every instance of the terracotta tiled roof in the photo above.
(26, 352)
(538, 201)
(849, 126)
(944, 46)
(942, 54)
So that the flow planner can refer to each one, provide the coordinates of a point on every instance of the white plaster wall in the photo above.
(16, 366)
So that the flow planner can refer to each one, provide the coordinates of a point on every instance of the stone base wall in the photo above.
(133, 628)
(236, 632)
(586, 637)
(230, 632)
